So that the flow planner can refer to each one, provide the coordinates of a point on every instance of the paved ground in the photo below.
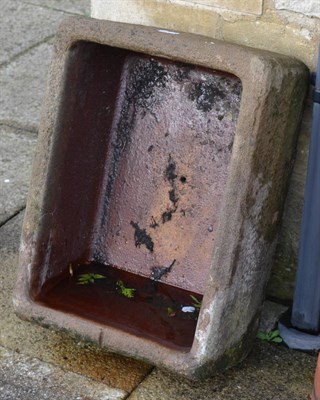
(36, 363)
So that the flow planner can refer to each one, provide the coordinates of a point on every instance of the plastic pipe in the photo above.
(305, 317)
(306, 305)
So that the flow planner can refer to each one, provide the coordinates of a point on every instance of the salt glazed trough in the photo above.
(157, 191)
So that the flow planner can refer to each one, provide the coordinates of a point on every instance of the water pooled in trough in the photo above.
(136, 182)
(153, 310)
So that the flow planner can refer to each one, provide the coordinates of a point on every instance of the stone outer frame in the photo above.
(274, 87)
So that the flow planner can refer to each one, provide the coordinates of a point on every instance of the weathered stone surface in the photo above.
(167, 15)
(269, 372)
(270, 315)
(16, 149)
(274, 88)
(53, 347)
(23, 377)
(69, 6)
(23, 26)
(22, 88)
(243, 6)
(307, 7)
(283, 273)
(281, 38)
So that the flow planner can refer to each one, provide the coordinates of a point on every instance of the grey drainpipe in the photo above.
(301, 331)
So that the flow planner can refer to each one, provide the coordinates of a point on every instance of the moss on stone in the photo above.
(282, 279)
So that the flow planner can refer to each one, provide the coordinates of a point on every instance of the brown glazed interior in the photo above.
(136, 178)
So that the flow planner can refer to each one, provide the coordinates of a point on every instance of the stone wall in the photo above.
(289, 27)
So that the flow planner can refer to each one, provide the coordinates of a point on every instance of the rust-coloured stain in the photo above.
(167, 168)
(150, 309)
(140, 164)
(137, 178)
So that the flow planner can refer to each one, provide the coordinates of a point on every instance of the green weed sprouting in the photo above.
(196, 303)
(85, 279)
(170, 312)
(272, 336)
(124, 291)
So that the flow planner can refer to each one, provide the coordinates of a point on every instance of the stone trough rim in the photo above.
(256, 70)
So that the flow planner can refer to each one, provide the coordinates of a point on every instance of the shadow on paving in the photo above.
(271, 372)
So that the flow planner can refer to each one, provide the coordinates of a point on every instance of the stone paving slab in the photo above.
(16, 149)
(57, 348)
(70, 6)
(23, 26)
(27, 378)
(23, 83)
(271, 372)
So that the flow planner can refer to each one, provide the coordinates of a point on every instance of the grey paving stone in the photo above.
(70, 6)
(16, 153)
(57, 348)
(270, 373)
(23, 84)
(24, 25)
(27, 378)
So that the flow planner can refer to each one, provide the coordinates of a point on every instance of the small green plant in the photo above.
(171, 312)
(272, 336)
(85, 279)
(196, 303)
(124, 291)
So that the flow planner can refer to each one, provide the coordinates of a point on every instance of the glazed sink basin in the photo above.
(157, 192)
